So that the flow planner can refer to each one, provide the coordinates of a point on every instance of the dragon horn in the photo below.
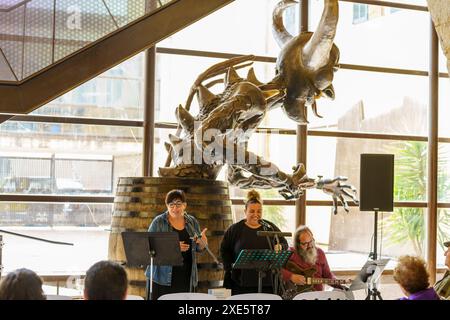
(281, 35)
(204, 96)
(314, 109)
(251, 77)
(174, 139)
(316, 51)
(185, 119)
(231, 77)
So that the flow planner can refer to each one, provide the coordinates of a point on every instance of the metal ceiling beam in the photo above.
(100, 56)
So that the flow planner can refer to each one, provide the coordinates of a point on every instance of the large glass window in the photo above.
(174, 86)
(343, 158)
(374, 102)
(76, 160)
(444, 110)
(383, 39)
(115, 94)
(83, 224)
(240, 27)
(348, 238)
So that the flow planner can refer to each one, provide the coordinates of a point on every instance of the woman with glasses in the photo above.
(172, 279)
(307, 261)
(243, 235)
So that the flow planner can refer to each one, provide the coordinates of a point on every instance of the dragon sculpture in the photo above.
(217, 136)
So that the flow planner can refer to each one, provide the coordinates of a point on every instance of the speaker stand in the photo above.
(372, 292)
(374, 254)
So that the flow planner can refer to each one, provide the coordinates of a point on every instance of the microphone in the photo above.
(264, 224)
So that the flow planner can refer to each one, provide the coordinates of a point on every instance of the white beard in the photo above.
(309, 255)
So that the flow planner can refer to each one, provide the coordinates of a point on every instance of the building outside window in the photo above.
(360, 12)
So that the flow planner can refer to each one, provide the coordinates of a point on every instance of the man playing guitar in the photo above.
(307, 268)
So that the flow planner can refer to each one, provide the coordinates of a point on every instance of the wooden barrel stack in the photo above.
(139, 199)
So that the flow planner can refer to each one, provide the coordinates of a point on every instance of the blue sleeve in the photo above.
(154, 225)
(197, 226)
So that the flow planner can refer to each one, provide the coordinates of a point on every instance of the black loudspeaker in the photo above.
(377, 182)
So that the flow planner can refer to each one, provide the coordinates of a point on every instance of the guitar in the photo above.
(294, 289)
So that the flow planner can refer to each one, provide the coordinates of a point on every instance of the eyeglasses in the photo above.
(308, 243)
(174, 204)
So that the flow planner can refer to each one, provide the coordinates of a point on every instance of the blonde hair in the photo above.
(253, 196)
(411, 273)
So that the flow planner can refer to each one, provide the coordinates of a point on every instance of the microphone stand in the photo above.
(205, 245)
(207, 249)
(276, 273)
(265, 227)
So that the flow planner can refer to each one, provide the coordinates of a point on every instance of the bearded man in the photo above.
(306, 256)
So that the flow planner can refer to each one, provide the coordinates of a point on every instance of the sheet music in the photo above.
(370, 272)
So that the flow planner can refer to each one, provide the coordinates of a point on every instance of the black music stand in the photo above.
(278, 282)
(146, 249)
(261, 260)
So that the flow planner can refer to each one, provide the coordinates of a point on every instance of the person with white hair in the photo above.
(307, 262)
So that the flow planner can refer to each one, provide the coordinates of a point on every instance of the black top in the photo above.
(181, 274)
(240, 236)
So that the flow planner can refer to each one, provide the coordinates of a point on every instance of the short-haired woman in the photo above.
(172, 279)
(412, 276)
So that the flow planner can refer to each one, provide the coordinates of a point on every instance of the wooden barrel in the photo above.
(139, 199)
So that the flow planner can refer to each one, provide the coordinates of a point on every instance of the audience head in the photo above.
(411, 274)
(176, 202)
(305, 245)
(105, 280)
(21, 284)
(253, 208)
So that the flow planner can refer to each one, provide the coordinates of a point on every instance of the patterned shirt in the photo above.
(442, 287)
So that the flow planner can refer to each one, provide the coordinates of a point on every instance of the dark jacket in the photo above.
(227, 249)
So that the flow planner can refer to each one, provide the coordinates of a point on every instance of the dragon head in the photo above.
(306, 63)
